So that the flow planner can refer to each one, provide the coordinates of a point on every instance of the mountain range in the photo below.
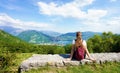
(40, 37)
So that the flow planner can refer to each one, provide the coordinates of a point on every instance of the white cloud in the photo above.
(95, 14)
(6, 20)
(103, 25)
(113, 0)
(72, 9)
(114, 24)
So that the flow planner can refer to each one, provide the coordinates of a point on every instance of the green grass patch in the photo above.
(19, 58)
(13, 61)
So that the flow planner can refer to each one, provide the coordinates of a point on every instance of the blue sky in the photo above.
(61, 15)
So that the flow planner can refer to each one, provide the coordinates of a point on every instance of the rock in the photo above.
(86, 61)
(56, 60)
(71, 63)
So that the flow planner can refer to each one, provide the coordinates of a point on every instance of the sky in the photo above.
(61, 15)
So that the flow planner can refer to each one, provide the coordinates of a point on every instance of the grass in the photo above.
(19, 57)
(111, 67)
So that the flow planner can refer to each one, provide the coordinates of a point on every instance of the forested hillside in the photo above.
(36, 37)
(9, 43)
(12, 43)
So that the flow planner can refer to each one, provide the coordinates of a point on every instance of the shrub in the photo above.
(6, 59)
(107, 42)
(59, 50)
(48, 49)
(68, 48)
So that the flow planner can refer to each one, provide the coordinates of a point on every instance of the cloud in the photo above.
(113, 0)
(6, 20)
(103, 25)
(95, 14)
(71, 9)
(98, 20)
(114, 24)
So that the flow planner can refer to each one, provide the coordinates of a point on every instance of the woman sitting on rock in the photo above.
(79, 48)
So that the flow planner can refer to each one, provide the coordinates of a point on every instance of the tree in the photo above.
(107, 42)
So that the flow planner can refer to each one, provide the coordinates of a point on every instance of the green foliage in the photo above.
(11, 61)
(107, 42)
(68, 48)
(6, 59)
(116, 44)
(48, 49)
(59, 50)
(13, 44)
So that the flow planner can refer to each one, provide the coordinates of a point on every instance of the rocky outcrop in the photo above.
(56, 60)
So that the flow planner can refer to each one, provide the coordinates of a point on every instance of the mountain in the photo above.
(12, 43)
(88, 34)
(16, 31)
(51, 33)
(33, 36)
(39, 37)
(69, 37)
(11, 30)
(6, 37)
(66, 37)
(72, 35)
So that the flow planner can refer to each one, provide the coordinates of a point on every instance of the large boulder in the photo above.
(56, 60)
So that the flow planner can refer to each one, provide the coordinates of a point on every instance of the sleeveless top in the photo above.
(84, 43)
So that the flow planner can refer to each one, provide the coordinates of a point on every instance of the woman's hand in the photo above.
(68, 59)
(92, 59)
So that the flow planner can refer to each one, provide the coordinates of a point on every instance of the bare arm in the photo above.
(72, 52)
(86, 50)
(88, 54)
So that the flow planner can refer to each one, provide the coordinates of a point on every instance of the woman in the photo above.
(78, 42)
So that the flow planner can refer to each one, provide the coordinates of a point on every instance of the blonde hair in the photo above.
(78, 40)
